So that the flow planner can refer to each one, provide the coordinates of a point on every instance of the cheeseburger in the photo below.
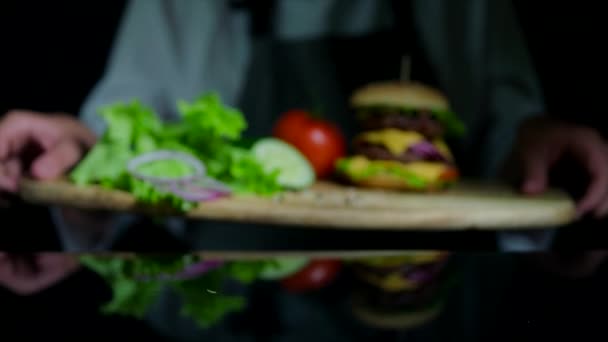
(400, 292)
(401, 145)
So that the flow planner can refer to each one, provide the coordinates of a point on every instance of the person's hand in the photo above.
(42, 146)
(45, 147)
(26, 275)
(543, 142)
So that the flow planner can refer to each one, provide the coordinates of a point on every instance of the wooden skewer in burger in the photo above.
(402, 145)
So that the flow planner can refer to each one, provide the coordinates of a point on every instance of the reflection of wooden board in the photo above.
(327, 205)
(262, 255)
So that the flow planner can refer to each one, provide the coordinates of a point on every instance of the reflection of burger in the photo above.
(400, 292)
(402, 144)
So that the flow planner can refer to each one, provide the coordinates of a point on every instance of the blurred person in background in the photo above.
(269, 56)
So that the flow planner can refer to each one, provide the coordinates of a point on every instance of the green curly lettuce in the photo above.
(207, 118)
(208, 130)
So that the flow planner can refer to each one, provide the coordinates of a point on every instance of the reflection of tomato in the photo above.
(317, 274)
(319, 140)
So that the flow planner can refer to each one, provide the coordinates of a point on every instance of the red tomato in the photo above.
(316, 275)
(320, 141)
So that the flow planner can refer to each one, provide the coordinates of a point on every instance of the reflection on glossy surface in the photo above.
(485, 297)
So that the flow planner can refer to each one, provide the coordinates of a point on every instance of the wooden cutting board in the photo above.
(326, 205)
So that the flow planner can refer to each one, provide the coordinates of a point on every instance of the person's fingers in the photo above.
(12, 128)
(85, 136)
(535, 172)
(10, 173)
(591, 153)
(20, 128)
(57, 260)
(4, 139)
(596, 191)
(602, 209)
(52, 267)
(5, 182)
(57, 160)
(3, 149)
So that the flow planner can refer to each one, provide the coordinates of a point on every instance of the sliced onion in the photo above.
(427, 150)
(211, 184)
(195, 163)
(204, 189)
(196, 187)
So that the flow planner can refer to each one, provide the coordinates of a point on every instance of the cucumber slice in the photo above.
(283, 267)
(295, 172)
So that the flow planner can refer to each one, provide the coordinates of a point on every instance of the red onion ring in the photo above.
(203, 189)
(196, 187)
(427, 151)
(200, 268)
(189, 272)
(195, 163)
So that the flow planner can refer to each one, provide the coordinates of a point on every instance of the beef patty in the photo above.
(420, 121)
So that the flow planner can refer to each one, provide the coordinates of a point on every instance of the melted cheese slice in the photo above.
(396, 141)
(443, 148)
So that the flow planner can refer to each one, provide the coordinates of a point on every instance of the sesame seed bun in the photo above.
(400, 95)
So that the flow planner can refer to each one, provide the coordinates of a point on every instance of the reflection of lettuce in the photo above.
(208, 129)
(202, 297)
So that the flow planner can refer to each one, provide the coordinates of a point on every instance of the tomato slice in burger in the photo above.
(450, 175)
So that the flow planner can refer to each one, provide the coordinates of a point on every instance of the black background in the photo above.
(53, 52)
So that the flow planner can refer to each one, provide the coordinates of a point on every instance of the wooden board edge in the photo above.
(262, 255)
(46, 193)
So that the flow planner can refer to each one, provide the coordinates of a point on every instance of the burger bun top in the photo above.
(407, 95)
